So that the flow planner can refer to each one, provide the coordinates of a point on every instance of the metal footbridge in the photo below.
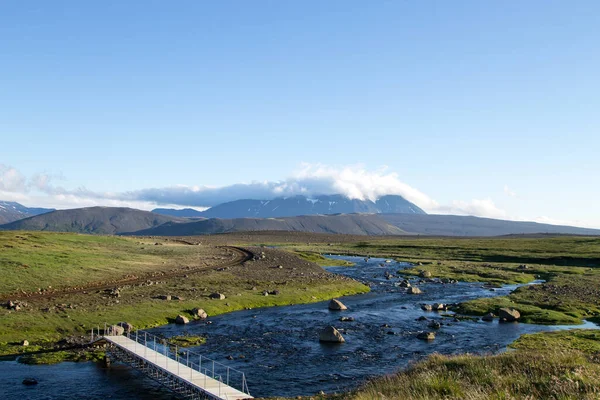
(187, 374)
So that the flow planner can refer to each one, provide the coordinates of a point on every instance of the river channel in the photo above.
(278, 347)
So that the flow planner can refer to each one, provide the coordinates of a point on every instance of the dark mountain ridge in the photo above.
(98, 220)
(354, 224)
(11, 211)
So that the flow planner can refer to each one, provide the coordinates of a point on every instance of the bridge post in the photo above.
(213, 369)
(177, 359)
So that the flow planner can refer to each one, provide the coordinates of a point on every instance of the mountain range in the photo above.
(11, 211)
(299, 205)
(383, 217)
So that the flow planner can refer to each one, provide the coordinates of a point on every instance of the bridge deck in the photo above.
(209, 385)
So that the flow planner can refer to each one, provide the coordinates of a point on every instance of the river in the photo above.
(279, 350)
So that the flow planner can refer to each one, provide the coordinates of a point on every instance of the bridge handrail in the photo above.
(146, 338)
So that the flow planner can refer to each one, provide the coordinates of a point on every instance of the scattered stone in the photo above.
(426, 336)
(30, 381)
(176, 298)
(404, 284)
(426, 307)
(435, 325)
(126, 325)
(274, 292)
(199, 313)
(414, 290)
(425, 274)
(115, 330)
(331, 335)
(489, 317)
(438, 306)
(422, 318)
(181, 320)
(230, 357)
(347, 319)
(25, 343)
(509, 314)
(265, 293)
(337, 305)
(165, 297)
(217, 296)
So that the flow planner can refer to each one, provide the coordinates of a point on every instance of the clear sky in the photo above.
(477, 107)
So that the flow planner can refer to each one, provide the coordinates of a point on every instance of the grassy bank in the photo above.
(46, 319)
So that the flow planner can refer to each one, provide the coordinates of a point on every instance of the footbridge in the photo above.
(188, 374)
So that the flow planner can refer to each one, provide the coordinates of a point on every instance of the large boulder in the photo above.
(217, 296)
(181, 320)
(426, 336)
(337, 305)
(509, 314)
(331, 335)
(199, 313)
(413, 290)
(126, 326)
(115, 330)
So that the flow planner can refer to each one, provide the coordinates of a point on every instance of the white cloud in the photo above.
(11, 180)
(354, 181)
(509, 192)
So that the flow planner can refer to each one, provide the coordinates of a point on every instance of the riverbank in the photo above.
(178, 277)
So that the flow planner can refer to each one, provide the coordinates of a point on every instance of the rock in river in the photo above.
(181, 320)
(413, 290)
(426, 336)
(199, 313)
(509, 314)
(336, 305)
(331, 335)
(489, 317)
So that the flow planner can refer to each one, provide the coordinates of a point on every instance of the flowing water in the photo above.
(278, 347)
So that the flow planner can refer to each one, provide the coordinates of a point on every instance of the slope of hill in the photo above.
(355, 224)
(11, 211)
(101, 220)
(456, 225)
(181, 213)
(299, 205)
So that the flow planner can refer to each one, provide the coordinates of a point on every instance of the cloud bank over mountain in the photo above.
(356, 182)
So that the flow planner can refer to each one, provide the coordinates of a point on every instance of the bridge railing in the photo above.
(193, 360)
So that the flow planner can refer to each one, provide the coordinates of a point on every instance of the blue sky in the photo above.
(485, 108)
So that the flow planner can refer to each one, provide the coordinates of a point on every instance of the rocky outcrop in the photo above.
(331, 335)
(336, 305)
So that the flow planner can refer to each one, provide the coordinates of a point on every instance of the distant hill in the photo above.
(11, 211)
(299, 205)
(355, 224)
(455, 225)
(182, 213)
(100, 220)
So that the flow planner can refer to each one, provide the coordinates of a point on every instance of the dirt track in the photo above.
(243, 255)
